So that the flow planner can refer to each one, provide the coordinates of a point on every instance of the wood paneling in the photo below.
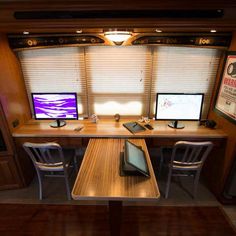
(9, 178)
(12, 89)
(229, 128)
(9, 24)
(9, 174)
(69, 220)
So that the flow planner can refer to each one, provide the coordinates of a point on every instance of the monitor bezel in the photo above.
(200, 114)
(72, 93)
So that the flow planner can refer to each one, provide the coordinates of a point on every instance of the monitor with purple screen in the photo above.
(55, 106)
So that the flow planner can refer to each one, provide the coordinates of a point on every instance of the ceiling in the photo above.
(97, 25)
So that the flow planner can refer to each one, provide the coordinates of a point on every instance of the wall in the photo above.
(227, 126)
(12, 88)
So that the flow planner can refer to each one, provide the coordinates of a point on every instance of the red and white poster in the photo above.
(226, 100)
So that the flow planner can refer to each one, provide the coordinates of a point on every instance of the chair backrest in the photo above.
(45, 153)
(187, 154)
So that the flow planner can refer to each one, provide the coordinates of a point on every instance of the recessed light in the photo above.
(25, 32)
(79, 31)
(158, 30)
(213, 31)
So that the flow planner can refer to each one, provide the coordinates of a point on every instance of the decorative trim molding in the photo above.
(191, 40)
(25, 42)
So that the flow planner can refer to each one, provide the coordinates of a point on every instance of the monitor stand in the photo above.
(57, 123)
(176, 125)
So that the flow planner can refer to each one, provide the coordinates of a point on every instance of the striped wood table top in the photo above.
(99, 178)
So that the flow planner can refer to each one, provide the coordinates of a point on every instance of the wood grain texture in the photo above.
(109, 128)
(9, 173)
(9, 24)
(70, 220)
(99, 177)
(12, 88)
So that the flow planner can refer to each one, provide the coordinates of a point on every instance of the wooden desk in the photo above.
(161, 135)
(108, 128)
(99, 179)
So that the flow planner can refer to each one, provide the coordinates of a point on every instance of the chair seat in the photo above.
(57, 165)
(183, 167)
(51, 167)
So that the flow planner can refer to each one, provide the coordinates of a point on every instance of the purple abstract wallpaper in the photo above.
(55, 106)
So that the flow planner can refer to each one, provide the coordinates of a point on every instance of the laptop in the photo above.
(133, 161)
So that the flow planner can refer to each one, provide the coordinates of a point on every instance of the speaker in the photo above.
(208, 123)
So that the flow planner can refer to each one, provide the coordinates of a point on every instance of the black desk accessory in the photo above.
(208, 123)
(148, 126)
(134, 127)
(133, 161)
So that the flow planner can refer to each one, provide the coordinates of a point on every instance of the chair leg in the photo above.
(161, 161)
(168, 183)
(75, 163)
(67, 186)
(160, 165)
(40, 184)
(196, 180)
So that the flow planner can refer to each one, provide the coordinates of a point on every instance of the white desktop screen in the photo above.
(178, 106)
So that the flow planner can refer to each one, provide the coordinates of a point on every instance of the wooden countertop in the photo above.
(111, 129)
(99, 178)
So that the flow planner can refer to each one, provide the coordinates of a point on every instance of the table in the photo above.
(109, 128)
(162, 135)
(99, 179)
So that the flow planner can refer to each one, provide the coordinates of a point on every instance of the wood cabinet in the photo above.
(9, 175)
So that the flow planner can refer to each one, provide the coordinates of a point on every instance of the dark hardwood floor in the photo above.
(41, 219)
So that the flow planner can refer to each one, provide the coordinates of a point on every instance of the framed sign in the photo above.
(226, 98)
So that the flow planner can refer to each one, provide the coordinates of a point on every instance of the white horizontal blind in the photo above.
(184, 70)
(118, 79)
(55, 70)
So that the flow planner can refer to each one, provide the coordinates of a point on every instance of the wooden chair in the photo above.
(50, 158)
(186, 159)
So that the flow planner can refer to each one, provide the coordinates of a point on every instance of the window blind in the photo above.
(124, 80)
(118, 79)
(184, 70)
(55, 70)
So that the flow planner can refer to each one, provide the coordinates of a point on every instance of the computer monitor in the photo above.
(178, 106)
(55, 106)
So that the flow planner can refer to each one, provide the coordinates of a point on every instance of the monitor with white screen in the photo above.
(55, 106)
(178, 106)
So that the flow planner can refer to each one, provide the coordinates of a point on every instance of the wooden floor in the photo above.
(41, 219)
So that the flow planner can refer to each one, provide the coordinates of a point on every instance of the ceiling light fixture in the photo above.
(117, 36)
(25, 32)
(79, 31)
(213, 31)
(158, 31)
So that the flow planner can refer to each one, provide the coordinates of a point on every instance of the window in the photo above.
(55, 70)
(119, 79)
(184, 70)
